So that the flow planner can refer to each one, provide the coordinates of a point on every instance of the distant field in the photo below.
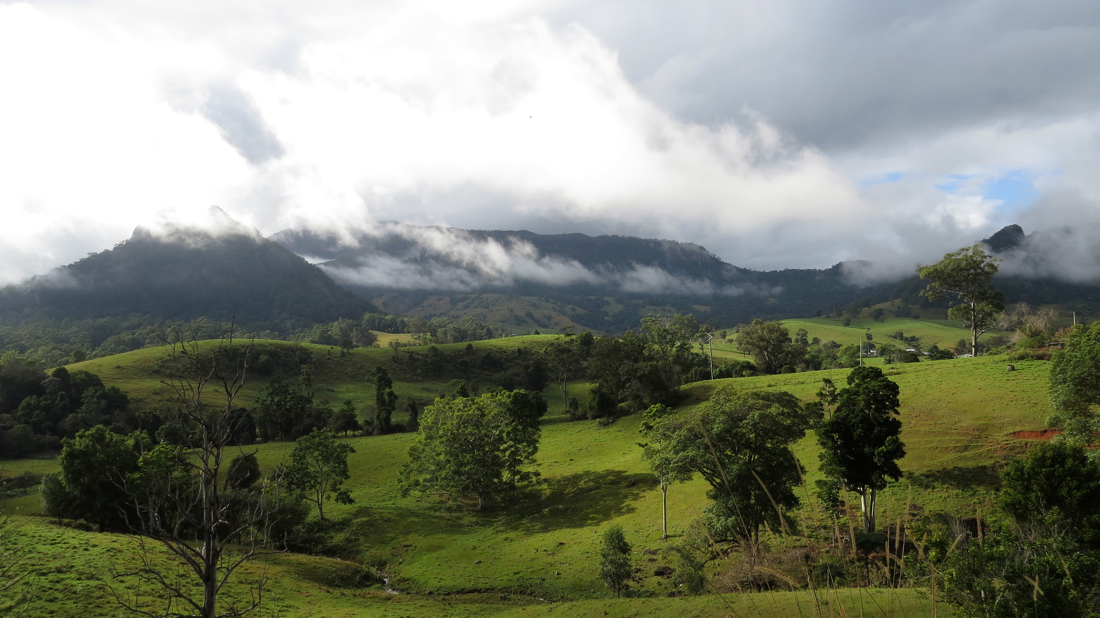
(957, 416)
(336, 378)
(943, 333)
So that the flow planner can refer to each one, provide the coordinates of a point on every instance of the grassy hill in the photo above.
(539, 556)
(943, 333)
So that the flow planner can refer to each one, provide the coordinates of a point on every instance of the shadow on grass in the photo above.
(967, 478)
(577, 500)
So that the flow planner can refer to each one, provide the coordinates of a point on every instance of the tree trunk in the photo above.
(974, 329)
(867, 504)
(210, 579)
(664, 510)
(867, 508)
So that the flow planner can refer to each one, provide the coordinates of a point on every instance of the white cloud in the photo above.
(503, 114)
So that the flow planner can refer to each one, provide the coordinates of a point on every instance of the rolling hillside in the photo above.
(536, 557)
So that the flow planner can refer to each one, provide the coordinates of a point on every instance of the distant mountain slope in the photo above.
(183, 274)
(606, 283)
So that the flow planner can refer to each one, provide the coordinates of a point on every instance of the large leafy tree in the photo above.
(860, 441)
(771, 345)
(477, 447)
(967, 277)
(1055, 481)
(668, 341)
(740, 443)
(94, 468)
(670, 465)
(317, 468)
(1075, 385)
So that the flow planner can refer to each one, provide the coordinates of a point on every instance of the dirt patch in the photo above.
(1045, 434)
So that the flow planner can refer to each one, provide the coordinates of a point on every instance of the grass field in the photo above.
(943, 333)
(538, 557)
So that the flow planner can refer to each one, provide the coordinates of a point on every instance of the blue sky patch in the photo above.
(881, 179)
(1015, 189)
(952, 184)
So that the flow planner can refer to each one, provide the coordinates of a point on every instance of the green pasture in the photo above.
(539, 556)
(943, 333)
(72, 572)
(336, 378)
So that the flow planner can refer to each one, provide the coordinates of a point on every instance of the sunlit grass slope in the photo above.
(957, 419)
(72, 575)
(943, 333)
(336, 378)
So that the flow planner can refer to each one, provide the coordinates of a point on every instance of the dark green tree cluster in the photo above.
(92, 484)
(1042, 557)
(289, 411)
(638, 370)
(385, 401)
(521, 367)
(475, 447)
(776, 351)
(349, 334)
(1075, 385)
(37, 410)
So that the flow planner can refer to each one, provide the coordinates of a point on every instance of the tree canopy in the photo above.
(861, 441)
(1075, 385)
(740, 443)
(475, 447)
(967, 276)
(669, 464)
(615, 563)
(317, 468)
(771, 345)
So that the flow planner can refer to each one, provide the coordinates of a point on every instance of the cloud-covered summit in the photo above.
(397, 256)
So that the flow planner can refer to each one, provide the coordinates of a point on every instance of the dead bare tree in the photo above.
(184, 500)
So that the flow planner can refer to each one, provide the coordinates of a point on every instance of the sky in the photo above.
(776, 134)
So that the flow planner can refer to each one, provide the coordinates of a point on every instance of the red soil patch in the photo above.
(1045, 434)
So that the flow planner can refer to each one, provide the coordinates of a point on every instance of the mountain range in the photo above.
(517, 280)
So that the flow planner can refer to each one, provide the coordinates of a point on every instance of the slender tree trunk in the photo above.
(974, 329)
(664, 510)
(210, 550)
(867, 498)
(210, 578)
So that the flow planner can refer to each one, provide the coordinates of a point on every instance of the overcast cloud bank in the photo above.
(780, 134)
